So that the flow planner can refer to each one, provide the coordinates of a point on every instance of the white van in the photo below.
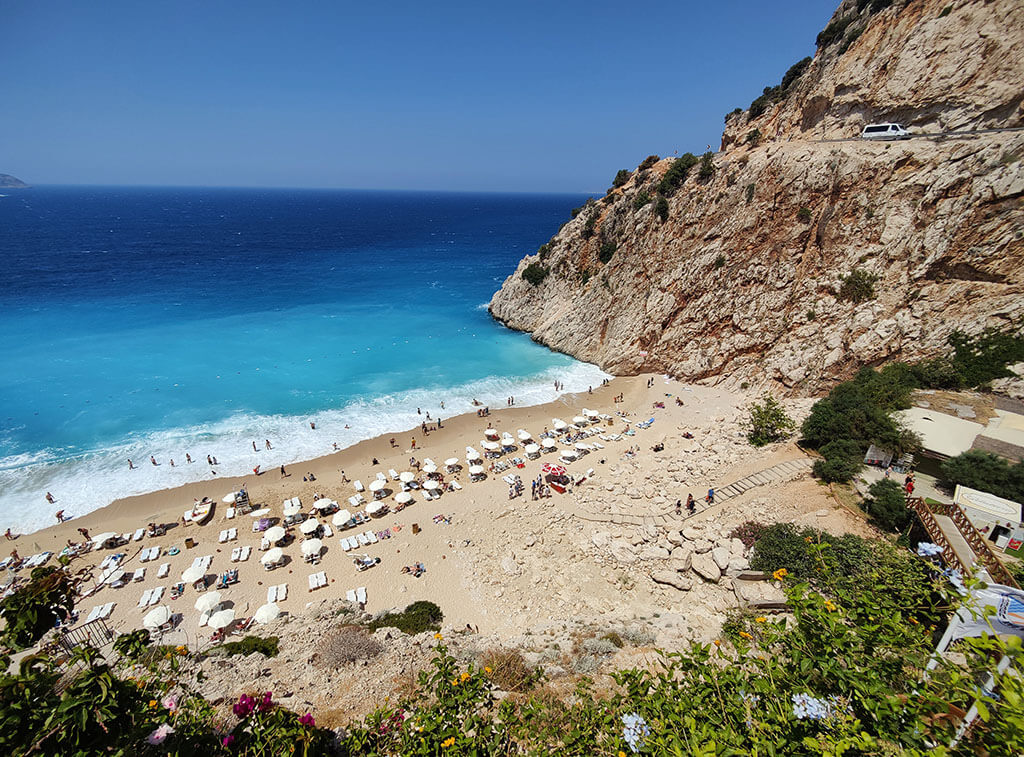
(884, 131)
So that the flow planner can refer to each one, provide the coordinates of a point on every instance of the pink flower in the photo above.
(307, 720)
(228, 740)
(246, 704)
(160, 734)
(171, 703)
(265, 702)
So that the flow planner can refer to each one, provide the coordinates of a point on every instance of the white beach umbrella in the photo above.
(207, 601)
(221, 618)
(431, 484)
(292, 510)
(274, 534)
(272, 556)
(490, 446)
(491, 432)
(581, 445)
(324, 504)
(531, 449)
(548, 443)
(266, 613)
(559, 424)
(113, 576)
(229, 498)
(579, 420)
(524, 435)
(341, 517)
(103, 537)
(376, 485)
(309, 526)
(451, 462)
(406, 476)
(476, 470)
(569, 454)
(375, 507)
(157, 617)
(403, 498)
(312, 547)
(470, 452)
(430, 468)
(192, 574)
(590, 413)
(259, 513)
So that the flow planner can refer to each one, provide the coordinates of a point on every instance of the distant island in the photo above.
(11, 182)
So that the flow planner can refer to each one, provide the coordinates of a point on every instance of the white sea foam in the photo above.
(89, 480)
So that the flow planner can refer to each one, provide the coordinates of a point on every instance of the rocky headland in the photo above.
(11, 182)
(799, 253)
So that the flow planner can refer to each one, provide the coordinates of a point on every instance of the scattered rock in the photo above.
(704, 566)
(673, 579)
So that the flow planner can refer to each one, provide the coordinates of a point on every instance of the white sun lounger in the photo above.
(164, 570)
(229, 513)
(223, 536)
(264, 544)
(137, 536)
(328, 531)
(356, 500)
(598, 445)
(155, 596)
(94, 613)
(232, 534)
(362, 539)
(393, 473)
(126, 537)
(456, 485)
(139, 575)
(358, 486)
(350, 595)
(345, 546)
(361, 595)
(235, 553)
(371, 537)
(282, 592)
(317, 580)
(382, 477)
(144, 599)
(244, 555)
(106, 610)
(271, 594)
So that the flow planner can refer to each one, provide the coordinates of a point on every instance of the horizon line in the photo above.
(310, 188)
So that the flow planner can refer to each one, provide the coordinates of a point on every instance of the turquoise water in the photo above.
(162, 322)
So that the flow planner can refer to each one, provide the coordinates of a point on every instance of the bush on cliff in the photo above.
(608, 248)
(33, 609)
(416, 618)
(621, 178)
(676, 174)
(768, 423)
(647, 162)
(661, 208)
(641, 199)
(858, 285)
(707, 167)
(535, 273)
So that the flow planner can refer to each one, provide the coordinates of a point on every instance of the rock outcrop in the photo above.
(791, 261)
(11, 182)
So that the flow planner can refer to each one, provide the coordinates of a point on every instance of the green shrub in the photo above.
(748, 532)
(544, 250)
(795, 72)
(590, 227)
(34, 608)
(607, 249)
(833, 32)
(768, 423)
(946, 11)
(535, 273)
(661, 208)
(614, 638)
(858, 286)
(621, 178)
(416, 618)
(987, 472)
(648, 162)
(753, 137)
(887, 506)
(133, 644)
(266, 646)
(641, 199)
(811, 315)
(707, 167)
(720, 261)
(804, 215)
(980, 359)
(676, 174)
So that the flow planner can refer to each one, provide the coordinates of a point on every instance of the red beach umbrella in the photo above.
(554, 470)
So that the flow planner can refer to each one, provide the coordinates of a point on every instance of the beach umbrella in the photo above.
(192, 574)
(406, 476)
(490, 446)
(548, 443)
(204, 618)
(580, 420)
(531, 449)
(403, 498)
(272, 556)
(274, 534)
(292, 510)
(113, 576)
(324, 504)
(431, 484)
(266, 613)
(590, 413)
(569, 454)
(207, 601)
(470, 451)
(157, 617)
(376, 485)
(491, 432)
(476, 470)
(451, 462)
(312, 547)
(309, 526)
(103, 537)
(430, 468)
(229, 498)
(221, 619)
(559, 424)
(341, 517)
(553, 470)
(581, 445)
(472, 455)
(524, 435)
(260, 513)
(376, 507)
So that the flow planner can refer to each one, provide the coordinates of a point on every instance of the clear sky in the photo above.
(513, 96)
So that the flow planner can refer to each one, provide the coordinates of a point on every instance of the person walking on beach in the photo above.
(256, 470)
(131, 465)
(208, 460)
(59, 515)
(414, 442)
(283, 474)
(267, 443)
(84, 532)
(9, 535)
(254, 447)
(188, 458)
(49, 498)
(152, 459)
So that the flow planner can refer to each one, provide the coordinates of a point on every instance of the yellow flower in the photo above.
(168, 655)
(780, 574)
(746, 635)
(152, 703)
(465, 676)
(718, 643)
(915, 621)
(181, 649)
(438, 636)
(487, 670)
(807, 539)
(621, 753)
(761, 619)
(455, 682)
(830, 605)
(448, 742)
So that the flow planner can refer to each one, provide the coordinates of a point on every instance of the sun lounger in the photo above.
(229, 513)
(361, 595)
(264, 544)
(313, 585)
(328, 531)
(282, 592)
(137, 536)
(393, 473)
(358, 485)
(356, 500)
(350, 595)
(456, 485)
(271, 594)
(223, 536)
(105, 610)
(244, 555)
(598, 445)
(158, 592)
(382, 477)
(164, 570)
(371, 536)
(317, 581)
(94, 613)
(139, 575)
(344, 545)
(232, 534)
(362, 539)
(144, 599)
(235, 553)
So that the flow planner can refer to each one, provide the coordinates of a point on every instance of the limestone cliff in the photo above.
(785, 258)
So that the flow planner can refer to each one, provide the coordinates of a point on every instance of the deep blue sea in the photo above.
(139, 321)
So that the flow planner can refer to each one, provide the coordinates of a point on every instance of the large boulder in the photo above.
(673, 579)
(705, 566)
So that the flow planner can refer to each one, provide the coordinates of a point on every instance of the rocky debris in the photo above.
(705, 567)
(701, 546)
(673, 579)
(721, 556)
(510, 566)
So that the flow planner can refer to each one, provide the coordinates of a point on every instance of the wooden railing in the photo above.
(983, 553)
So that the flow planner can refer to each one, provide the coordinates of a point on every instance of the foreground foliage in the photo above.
(35, 608)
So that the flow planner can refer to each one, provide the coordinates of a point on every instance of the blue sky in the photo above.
(515, 96)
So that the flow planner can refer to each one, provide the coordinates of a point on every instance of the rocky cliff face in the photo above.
(790, 260)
